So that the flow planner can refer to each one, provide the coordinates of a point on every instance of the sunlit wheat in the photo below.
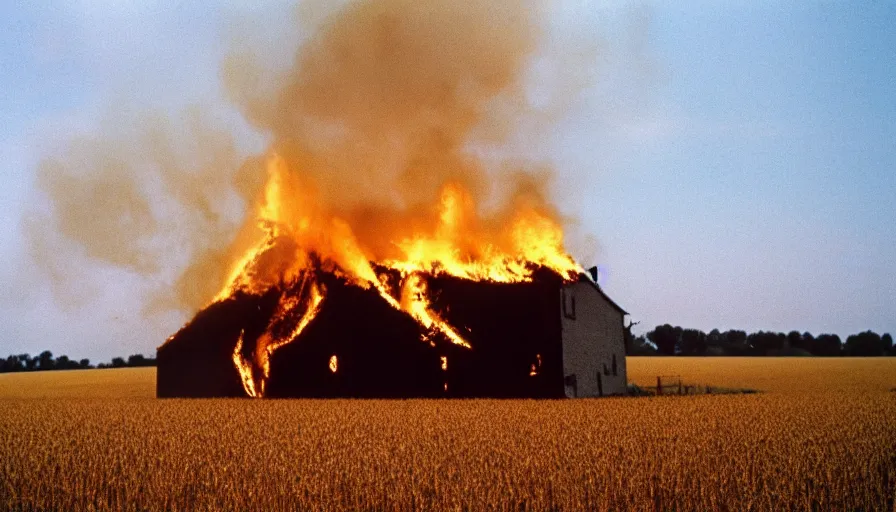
(109, 445)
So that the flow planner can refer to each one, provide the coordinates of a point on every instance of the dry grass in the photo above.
(108, 383)
(103, 442)
(801, 375)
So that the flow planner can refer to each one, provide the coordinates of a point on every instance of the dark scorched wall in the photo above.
(381, 352)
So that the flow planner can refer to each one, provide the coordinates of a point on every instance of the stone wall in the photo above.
(593, 338)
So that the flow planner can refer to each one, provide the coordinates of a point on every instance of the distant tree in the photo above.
(11, 364)
(864, 344)
(735, 337)
(807, 341)
(118, 362)
(136, 360)
(29, 362)
(665, 338)
(84, 363)
(827, 345)
(794, 339)
(45, 360)
(692, 342)
(780, 340)
(61, 363)
(735, 343)
(755, 342)
(676, 332)
(763, 342)
(887, 342)
(716, 344)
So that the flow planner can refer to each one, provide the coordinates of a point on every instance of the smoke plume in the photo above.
(375, 114)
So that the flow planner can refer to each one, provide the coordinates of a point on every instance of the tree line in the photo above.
(45, 361)
(666, 340)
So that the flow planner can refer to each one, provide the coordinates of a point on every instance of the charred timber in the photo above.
(382, 352)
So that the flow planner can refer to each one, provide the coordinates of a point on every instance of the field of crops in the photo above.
(821, 435)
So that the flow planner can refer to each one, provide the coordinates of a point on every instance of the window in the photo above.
(571, 385)
(569, 304)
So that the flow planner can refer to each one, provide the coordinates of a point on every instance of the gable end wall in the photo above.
(590, 340)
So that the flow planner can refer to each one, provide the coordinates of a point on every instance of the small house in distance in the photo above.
(547, 338)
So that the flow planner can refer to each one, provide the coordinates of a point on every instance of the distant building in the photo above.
(540, 339)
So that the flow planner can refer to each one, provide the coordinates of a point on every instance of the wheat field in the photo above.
(820, 436)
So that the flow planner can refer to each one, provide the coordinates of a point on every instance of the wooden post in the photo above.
(659, 385)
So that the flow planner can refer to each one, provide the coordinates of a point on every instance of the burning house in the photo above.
(464, 313)
(387, 249)
(541, 339)
(544, 338)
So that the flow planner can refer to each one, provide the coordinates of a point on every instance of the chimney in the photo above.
(593, 272)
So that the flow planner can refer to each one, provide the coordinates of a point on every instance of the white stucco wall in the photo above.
(591, 340)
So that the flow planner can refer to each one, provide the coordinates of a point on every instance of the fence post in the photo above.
(659, 385)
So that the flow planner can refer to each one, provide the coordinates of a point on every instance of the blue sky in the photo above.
(730, 165)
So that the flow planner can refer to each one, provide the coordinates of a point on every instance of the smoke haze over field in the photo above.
(722, 178)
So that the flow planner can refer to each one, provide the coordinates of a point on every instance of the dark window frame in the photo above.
(571, 381)
(569, 312)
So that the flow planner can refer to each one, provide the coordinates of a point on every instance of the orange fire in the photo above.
(536, 366)
(334, 363)
(296, 238)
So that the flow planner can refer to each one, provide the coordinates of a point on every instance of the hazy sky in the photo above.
(730, 165)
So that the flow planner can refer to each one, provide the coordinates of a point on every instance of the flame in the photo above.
(334, 363)
(534, 240)
(244, 368)
(308, 300)
(267, 344)
(295, 239)
(414, 301)
(444, 363)
(536, 366)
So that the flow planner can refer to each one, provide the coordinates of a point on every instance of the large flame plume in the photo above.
(298, 238)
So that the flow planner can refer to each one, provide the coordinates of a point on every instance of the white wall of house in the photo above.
(593, 335)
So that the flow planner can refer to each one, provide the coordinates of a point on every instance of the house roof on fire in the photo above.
(584, 278)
